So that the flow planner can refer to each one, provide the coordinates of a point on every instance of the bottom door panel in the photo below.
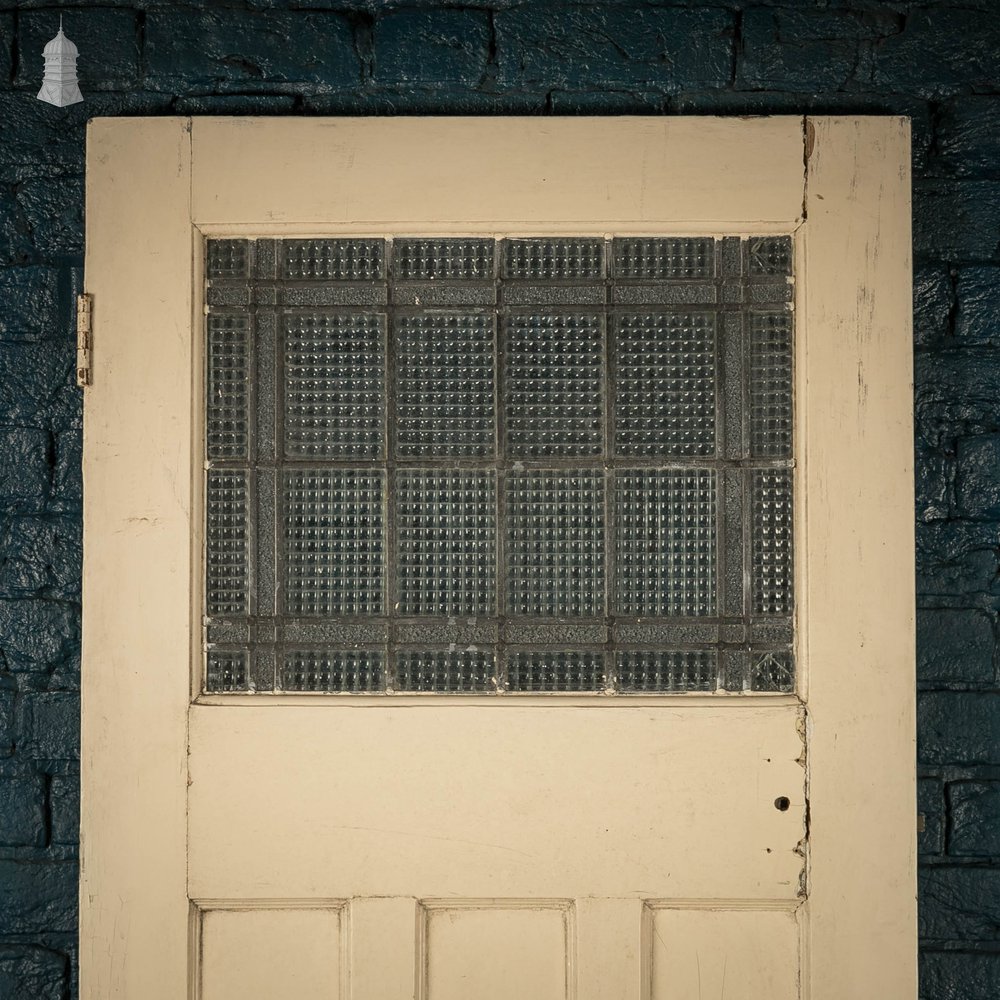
(498, 949)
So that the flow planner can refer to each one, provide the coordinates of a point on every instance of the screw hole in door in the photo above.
(781, 803)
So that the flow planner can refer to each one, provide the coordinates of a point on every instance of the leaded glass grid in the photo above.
(469, 466)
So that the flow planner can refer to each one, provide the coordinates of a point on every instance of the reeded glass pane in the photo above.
(556, 670)
(555, 543)
(553, 259)
(333, 534)
(643, 671)
(666, 530)
(333, 260)
(771, 384)
(665, 383)
(772, 541)
(227, 543)
(334, 372)
(228, 386)
(516, 467)
(444, 384)
(445, 672)
(341, 671)
(446, 531)
(554, 383)
(664, 259)
(442, 260)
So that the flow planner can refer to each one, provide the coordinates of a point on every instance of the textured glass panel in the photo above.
(665, 526)
(554, 384)
(332, 524)
(558, 258)
(642, 671)
(228, 259)
(769, 255)
(771, 384)
(333, 260)
(442, 259)
(555, 670)
(772, 671)
(555, 543)
(665, 383)
(354, 671)
(446, 531)
(664, 259)
(334, 378)
(444, 384)
(226, 671)
(476, 555)
(772, 541)
(228, 402)
(227, 543)
(459, 671)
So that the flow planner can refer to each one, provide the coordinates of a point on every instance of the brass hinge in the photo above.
(84, 338)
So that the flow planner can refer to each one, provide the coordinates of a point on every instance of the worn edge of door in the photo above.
(134, 911)
(857, 610)
(140, 187)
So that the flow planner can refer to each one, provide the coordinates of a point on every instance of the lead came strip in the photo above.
(471, 467)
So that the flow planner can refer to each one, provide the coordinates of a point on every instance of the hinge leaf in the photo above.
(84, 339)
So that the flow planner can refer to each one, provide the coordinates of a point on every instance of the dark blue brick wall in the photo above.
(935, 60)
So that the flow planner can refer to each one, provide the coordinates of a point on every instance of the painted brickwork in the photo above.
(936, 61)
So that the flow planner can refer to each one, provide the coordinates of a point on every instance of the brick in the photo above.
(37, 634)
(940, 51)
(31, 376)
(668, 49)
(957, 220)
(959, 975)
(977, 318)
(15, 240)
(53, 208)
(38, 897)
(974, 819)
(64, 805)
(41, 556)
(6, 59)
(51, 726)
(959, 904)
(930, 804)
(67, 479)
(977, 481)
(25, 472)
(428, 47)
(7, 722)
(954, 646)
(22, 812)
(30, 304)
(934, 477)
(955, 393)
(968, 136)
(805, 50)
(236, 104)
(108, 41)
(958, 559)
(37, 139)
(933, 300)
(958, 727)
(32, 973)
(196, 50)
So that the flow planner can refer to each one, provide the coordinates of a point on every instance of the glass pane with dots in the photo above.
(468, 466)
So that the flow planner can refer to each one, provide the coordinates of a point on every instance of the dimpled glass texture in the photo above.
(522, 468)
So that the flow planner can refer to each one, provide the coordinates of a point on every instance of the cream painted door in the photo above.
(249, 835)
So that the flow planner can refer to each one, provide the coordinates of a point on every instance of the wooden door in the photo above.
(514, 685)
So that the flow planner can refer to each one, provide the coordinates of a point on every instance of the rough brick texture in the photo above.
(937, 61)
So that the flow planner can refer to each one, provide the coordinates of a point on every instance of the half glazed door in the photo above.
(498, 564)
